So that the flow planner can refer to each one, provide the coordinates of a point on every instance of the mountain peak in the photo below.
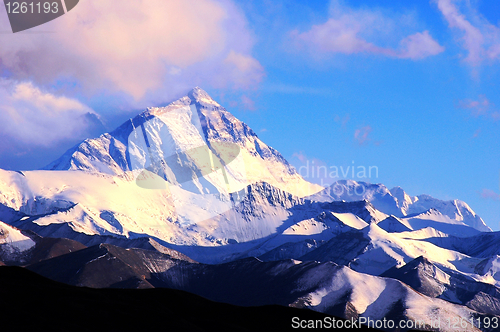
(200, 96)
(175, 142)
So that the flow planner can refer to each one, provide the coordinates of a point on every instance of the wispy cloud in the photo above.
(490, 194)
(482, 107)
(476, 107)
(149, 50)
(478, 37)
(361, 135)
(345, 33)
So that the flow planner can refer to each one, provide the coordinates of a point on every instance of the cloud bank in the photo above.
(147, 50)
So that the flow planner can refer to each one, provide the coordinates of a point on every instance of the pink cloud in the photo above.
(419, 46)
(337, 36)
(477, 107)
(480, 108)
(481, 40)
(150, 50)
(244, 70)
(345, 33)
(361, 134)
(490, 194)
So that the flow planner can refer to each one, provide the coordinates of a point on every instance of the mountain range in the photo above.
(187, 197)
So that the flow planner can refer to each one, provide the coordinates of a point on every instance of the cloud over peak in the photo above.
(140, 48)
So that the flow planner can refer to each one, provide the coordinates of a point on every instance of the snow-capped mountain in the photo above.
(13, 243)
(398, 203)
(226, 211)
(174, 133)
(428, 279)
(19, 247)
(191, 180)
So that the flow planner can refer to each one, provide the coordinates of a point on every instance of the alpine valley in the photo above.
(138, 208)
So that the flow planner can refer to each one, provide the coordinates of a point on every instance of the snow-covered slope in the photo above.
(430, 280)
(13, 243)
(398, 203)
(70, 203)
(373, 250)
(441, 222)
(361, 295)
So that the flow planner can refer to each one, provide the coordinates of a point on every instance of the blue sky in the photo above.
(410, 87)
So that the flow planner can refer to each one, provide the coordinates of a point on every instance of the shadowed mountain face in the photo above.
(26, 247)
(324, 287)
(432, 281)
(106, 265)
(34, 303)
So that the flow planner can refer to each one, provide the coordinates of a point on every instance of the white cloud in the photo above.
(31, 116)
(148, 49)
